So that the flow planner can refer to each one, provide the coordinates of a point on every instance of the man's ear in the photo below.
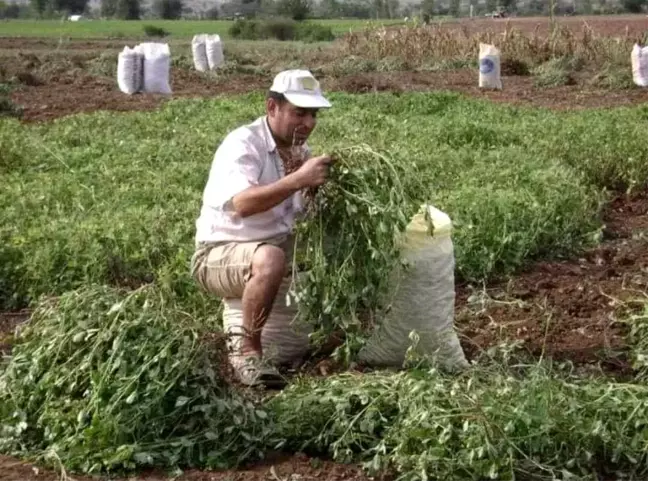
(271, 107)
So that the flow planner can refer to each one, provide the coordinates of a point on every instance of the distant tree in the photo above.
(168, 9)
(633, 6)
(537, 7)
(128, 9)
(585, 7)
(344, 8)
(108, 8)
(121, 9)
(455, 8)
(39, 6)
(73, 7)
(427, 7)
(212, 13)
(9, 10)
(295, 9)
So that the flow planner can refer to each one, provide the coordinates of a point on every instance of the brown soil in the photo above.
(281, 468)
(612, 25)
(83, 93)
(566, 310)
(8, 323)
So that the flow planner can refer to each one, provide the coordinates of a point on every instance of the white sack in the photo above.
(199, 51)
(214, 48)
(130, 70)
(157, 67)
(489, 67)
(423, 297)
(282, 340)
(639, 58)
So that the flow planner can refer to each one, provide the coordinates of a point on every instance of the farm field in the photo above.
(545, 182)
(129, 29)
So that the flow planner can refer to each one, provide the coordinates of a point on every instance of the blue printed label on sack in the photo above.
(486, 65)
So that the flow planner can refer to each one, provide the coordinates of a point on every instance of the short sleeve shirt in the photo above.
(247, 157)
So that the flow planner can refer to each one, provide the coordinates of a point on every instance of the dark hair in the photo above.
(279, 98)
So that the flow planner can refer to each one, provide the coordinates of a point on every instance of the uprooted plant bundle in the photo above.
(103, 379)
(348, 243)
(501, 419)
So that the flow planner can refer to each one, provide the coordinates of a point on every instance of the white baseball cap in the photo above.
(300, 88)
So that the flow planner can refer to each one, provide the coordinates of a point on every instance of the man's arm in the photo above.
(264, 197)
(261, 198)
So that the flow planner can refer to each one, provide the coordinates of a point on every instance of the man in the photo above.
(250, 203)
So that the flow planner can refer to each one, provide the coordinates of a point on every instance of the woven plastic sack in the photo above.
(422, 299)
(639, 59)
(283, 341)
(199, 52)
(489, 67)
(214, 48)
(157, 67)
(130, 70)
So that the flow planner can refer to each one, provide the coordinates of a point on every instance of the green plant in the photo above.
(556, 72)
(103, 380)
(153, 31)
(280, 29)
(491, 422)
(348, 242)
(7, 107)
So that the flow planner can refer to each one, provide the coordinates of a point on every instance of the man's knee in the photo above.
(269, 262)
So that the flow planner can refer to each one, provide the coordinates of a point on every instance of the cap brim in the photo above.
(308, 101)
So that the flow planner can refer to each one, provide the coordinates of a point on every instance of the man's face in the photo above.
(291, 124)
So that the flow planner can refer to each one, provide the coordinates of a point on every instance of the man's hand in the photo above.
(254, 200)
(314, 171)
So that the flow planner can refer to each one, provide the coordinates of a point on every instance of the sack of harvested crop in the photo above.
(214, 48)
(157, 67)
(130, 70)
(422, 298)
(199, 52)
(283, 339)
(639, 59)
(489, 67)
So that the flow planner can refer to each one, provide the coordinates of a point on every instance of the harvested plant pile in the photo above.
(348, 242)
(103, 379)
(492, 422)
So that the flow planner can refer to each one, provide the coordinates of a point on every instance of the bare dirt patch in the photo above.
(610, 25)
(517, 89)
(72, 94)
(290, 468)
(567, 310)
(8, 323)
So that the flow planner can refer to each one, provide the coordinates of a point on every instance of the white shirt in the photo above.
(247, 157)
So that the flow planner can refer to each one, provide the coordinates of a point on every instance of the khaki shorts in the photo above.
(224, 268)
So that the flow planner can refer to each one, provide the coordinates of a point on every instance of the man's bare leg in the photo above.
(268, 269)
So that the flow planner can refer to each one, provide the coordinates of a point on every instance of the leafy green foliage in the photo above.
(112, 198)
(105, 379)
(488, 423)
(348, 242)
(280, 29)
